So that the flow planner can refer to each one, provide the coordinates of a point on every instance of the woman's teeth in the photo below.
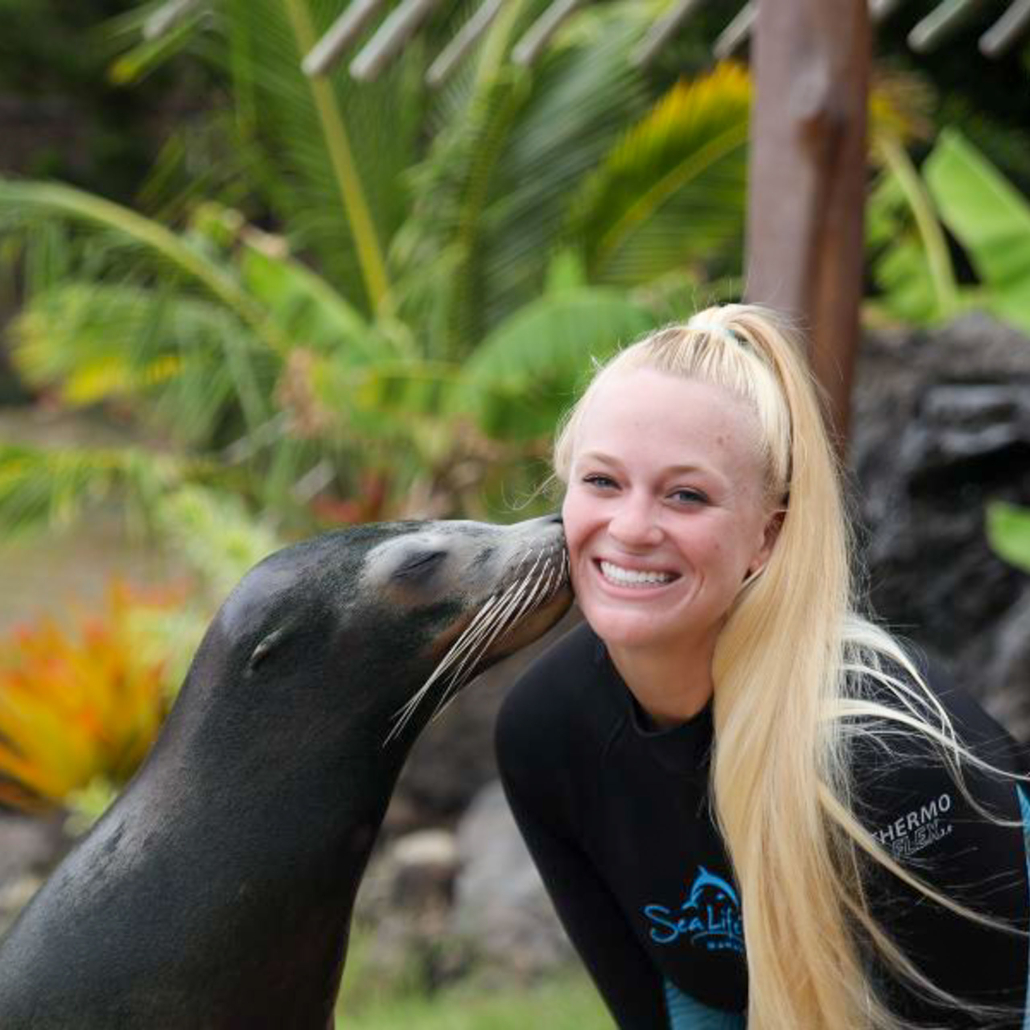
(629, 577)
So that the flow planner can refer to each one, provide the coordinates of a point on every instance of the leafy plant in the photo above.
(958, 190)
(387, 373)
(78, 707)
(672, 192)
(1008, 532)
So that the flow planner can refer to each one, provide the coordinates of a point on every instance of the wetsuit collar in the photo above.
(682, 749)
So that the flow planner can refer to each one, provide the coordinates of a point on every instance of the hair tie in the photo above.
(719, 330)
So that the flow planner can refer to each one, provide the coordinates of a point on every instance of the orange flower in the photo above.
(77, 705)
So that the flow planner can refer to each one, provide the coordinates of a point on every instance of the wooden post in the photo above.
(810, 62)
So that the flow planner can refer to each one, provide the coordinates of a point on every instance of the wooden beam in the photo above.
(806, 193)
(997, 40)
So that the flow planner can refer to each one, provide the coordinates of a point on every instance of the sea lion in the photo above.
(217, 890)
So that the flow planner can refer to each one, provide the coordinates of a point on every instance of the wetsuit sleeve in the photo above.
(537, 784)
(923, 818)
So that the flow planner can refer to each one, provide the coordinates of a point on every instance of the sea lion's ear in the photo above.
(269, 643)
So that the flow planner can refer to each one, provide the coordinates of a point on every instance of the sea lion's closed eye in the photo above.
(419, 564)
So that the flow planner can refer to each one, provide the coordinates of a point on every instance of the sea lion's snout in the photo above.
(499, 588)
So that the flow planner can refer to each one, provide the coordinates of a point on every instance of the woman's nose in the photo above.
(635, 523)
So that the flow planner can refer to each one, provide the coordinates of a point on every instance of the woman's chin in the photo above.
(626, 629)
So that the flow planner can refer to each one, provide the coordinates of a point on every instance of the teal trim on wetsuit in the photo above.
(1024, 807)
(615, 815)
(687, 1014)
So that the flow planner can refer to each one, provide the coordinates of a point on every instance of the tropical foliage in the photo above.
(1008, 530)
(445, 268)
(956, 192)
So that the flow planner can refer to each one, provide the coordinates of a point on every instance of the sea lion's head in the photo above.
(383, 623)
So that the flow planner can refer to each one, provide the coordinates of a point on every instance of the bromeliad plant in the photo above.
(81, 708)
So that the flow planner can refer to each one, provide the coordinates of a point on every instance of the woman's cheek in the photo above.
(573, 521)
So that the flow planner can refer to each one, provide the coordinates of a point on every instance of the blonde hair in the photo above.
(787, 670)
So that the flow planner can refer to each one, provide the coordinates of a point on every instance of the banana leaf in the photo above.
(989, 218)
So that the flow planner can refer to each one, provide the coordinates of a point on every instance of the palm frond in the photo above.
(307, 309)
(672, 191)
(146, 56)
(491, 198)
(307, 127)
(183, 363)
(25, 205)
(529, 370)
(49, 488)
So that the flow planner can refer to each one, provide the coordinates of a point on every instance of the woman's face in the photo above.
(664, 511)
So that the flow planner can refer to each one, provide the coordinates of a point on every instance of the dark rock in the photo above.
(942, 426)
(1007, 668)
(501, 909)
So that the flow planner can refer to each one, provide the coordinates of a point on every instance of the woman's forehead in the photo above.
(688, 411)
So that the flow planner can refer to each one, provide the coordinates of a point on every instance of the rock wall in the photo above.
(941, 427)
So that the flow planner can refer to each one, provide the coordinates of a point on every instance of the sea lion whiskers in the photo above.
(494, 608)
(404, 713)
(515, 610)
(510, 614)
(498, 614)
(476, 627)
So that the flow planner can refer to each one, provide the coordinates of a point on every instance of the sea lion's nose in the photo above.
(554, 517)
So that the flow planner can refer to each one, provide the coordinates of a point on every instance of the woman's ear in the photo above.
(769, 534)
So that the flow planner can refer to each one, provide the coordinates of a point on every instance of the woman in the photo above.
(746, 801)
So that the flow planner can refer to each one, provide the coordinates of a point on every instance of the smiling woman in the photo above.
(660, 548)
(750, 804)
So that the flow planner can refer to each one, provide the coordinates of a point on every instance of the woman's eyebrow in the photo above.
(607, 459)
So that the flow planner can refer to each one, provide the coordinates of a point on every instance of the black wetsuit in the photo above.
(616, 818)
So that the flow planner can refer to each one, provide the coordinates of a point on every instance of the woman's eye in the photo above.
(598, 480)
(686, 496)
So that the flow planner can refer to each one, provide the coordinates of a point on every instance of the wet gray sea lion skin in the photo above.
(217, 891)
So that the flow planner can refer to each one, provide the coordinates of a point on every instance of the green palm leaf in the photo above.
(1008, 530)
(25, 205)
(672, 192)
(307, 309)
(530, 368)
(42, 488)
(991, 220)
(334, 148)
(180, 362)
(492, 197)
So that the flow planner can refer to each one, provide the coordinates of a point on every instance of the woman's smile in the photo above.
(624, 576)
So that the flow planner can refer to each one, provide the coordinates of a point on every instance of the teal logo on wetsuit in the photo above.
(710, 917)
